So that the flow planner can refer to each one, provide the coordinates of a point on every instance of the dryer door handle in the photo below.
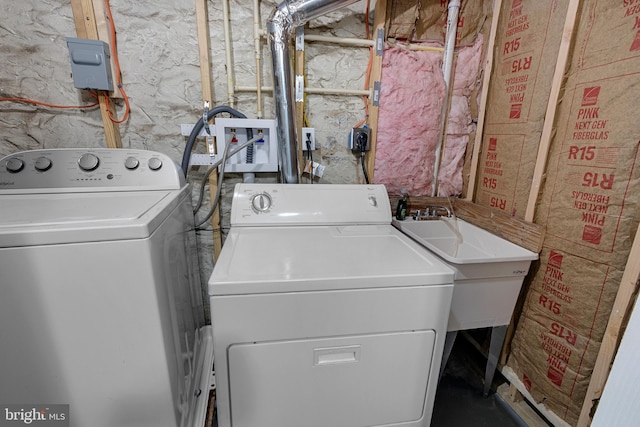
(335, 355)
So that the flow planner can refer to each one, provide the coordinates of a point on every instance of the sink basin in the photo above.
(461, 242)
(489, 270)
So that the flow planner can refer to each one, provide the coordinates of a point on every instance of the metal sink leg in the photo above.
(497, 338)
(448, 345)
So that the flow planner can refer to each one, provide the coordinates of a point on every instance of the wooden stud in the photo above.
(552, 106)
(549, 416)
(514, 394)
(103, 27)
(204, 49)
(486, 79)
(611, 339)
(111, 129)
(526, 413)
(78, 18)
(86, 27)
(89, 30)
(299, 71)
(379, 20)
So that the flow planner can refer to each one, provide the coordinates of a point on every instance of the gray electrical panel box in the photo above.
(90, 64)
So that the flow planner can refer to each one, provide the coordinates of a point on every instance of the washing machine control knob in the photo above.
(88, 162)
(261, 202)
(131, 163)
(43, 164)
(155, 163)
(14, 165)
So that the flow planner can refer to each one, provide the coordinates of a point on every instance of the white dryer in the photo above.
(323, 314)
(100, 299)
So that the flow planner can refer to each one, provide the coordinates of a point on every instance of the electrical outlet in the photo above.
(360, 140)
(308, 134)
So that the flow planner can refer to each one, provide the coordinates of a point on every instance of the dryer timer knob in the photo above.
(261, 202)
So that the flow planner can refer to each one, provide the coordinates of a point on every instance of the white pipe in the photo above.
(447, 71)
(311, 90)
(254, 89)
(227, 48)
(340, 40)
(256, 40)
(412, 46)
(335, 40)
(329, 91)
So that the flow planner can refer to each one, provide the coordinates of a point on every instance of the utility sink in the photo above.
(489, 270)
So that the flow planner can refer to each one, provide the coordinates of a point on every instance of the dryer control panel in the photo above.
(93, 169)
(309, 204)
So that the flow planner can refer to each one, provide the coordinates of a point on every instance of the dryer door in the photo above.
(367, 380)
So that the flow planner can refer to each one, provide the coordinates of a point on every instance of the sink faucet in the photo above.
(432, 212)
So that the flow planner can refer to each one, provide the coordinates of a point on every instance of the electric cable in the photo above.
(226, 154)
(310, 157)
(44, 104)
(213, 166)
(364, 169)
(118, 76)
(197, 128)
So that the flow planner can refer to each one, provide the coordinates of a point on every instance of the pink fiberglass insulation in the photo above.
(411, 100)
(450, 173)
(459, 123)
(411, 97)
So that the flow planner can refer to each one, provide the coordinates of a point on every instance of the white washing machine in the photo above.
(100, 299)
(323, 314)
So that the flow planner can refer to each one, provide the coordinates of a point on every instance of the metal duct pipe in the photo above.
(283, 21)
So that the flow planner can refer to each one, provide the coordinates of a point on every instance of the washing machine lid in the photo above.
(317, 258)
(45, 219)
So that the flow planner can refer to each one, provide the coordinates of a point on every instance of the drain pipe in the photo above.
(256, 43)
(447, 71)
(227, 47)
(281, 24)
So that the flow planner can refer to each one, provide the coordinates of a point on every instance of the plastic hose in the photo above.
(197, 128)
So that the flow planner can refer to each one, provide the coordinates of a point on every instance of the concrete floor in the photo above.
(459, 401)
